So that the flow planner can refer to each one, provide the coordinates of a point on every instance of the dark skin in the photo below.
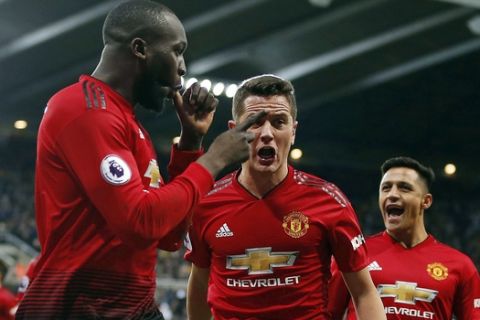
(149, 72)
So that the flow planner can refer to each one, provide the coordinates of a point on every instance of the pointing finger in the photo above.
(251, 120)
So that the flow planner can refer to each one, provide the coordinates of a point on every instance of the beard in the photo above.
(151, 95)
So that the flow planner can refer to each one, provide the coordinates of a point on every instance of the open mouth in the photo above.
(394, 210)
(266, 153)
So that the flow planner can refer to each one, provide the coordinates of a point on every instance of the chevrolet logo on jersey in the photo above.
(261, 260)
(406, 292)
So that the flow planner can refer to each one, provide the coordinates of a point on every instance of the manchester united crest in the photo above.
(437, 271)
(295, 224)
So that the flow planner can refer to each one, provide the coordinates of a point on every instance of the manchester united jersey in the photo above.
(269, 258)
(102, 207)
(428, 281)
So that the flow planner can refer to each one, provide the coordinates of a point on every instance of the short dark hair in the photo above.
(426, 173)
(264, 85)
(135, 18)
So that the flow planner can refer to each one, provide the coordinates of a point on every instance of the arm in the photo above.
(197, 306)
(338, 295)
(364, 295)
(466, 304)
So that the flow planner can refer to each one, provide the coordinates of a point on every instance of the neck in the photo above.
(260, 183)
(409, 238)
(116, 71)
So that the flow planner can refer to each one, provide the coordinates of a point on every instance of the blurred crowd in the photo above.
(451, 220)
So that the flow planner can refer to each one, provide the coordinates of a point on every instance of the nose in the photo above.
(266, 133)
(182, 68)
(393, 193)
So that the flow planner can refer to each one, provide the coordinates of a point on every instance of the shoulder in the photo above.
(315, 184)
(378, 243)
(87, 101)
(88, 94)
(376, 238)
(222, 184)
(451, 252)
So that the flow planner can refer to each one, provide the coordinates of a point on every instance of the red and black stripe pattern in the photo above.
(88, 294)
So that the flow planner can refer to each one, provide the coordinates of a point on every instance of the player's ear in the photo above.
(231, 124)
(427, 201)
(138, 46)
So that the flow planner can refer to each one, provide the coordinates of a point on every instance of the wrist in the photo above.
(190, 142)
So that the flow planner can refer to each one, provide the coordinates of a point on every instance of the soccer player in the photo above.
(102, 208)
(416, 276)
(262, 240)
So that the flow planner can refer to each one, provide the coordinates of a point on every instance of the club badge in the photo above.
(295, 224)
(437, 271)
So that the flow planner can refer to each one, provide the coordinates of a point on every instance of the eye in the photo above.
(179, 49)
(405, 187)
(279, 122)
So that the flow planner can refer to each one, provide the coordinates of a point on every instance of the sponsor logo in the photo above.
(224, 231)
(437, 271)
(374, 266)
(115, 170)
(406, 292)
(295, 224)
(476, 303)
(261, 260)
(357, 241)
(258, 283)
(409, 312)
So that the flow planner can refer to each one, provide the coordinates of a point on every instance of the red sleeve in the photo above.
(338, 295)
(136, 215)
(466, 305)
(348, 243)
(180, 160)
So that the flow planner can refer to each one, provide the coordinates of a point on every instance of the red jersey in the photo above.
(428, 281)
(102, 208)
(269, 258)
(7, 304)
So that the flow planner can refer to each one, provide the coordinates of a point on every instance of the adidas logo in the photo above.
(374, 266)
(224, 231)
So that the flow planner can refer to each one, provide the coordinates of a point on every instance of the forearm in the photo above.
(369, 306)
(197, 306)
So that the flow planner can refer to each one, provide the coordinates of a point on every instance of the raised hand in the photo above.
(195, 109)
(231, 146)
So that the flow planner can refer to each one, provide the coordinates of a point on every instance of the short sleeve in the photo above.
(348, 242)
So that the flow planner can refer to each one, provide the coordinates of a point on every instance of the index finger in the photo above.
(251, 120)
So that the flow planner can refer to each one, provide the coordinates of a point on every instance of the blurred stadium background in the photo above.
(374, 79)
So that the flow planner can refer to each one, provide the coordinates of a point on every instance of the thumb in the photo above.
(177, 101)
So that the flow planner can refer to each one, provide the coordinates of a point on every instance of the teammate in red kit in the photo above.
(416, 276)
(262, 240)
(102, 208)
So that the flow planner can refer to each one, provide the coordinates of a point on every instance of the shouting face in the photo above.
(403, 197)
(274, 135)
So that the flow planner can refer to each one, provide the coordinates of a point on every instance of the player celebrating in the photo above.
(262, 240)
(416, 276)
(102, 208)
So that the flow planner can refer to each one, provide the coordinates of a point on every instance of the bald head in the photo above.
(137, 18)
